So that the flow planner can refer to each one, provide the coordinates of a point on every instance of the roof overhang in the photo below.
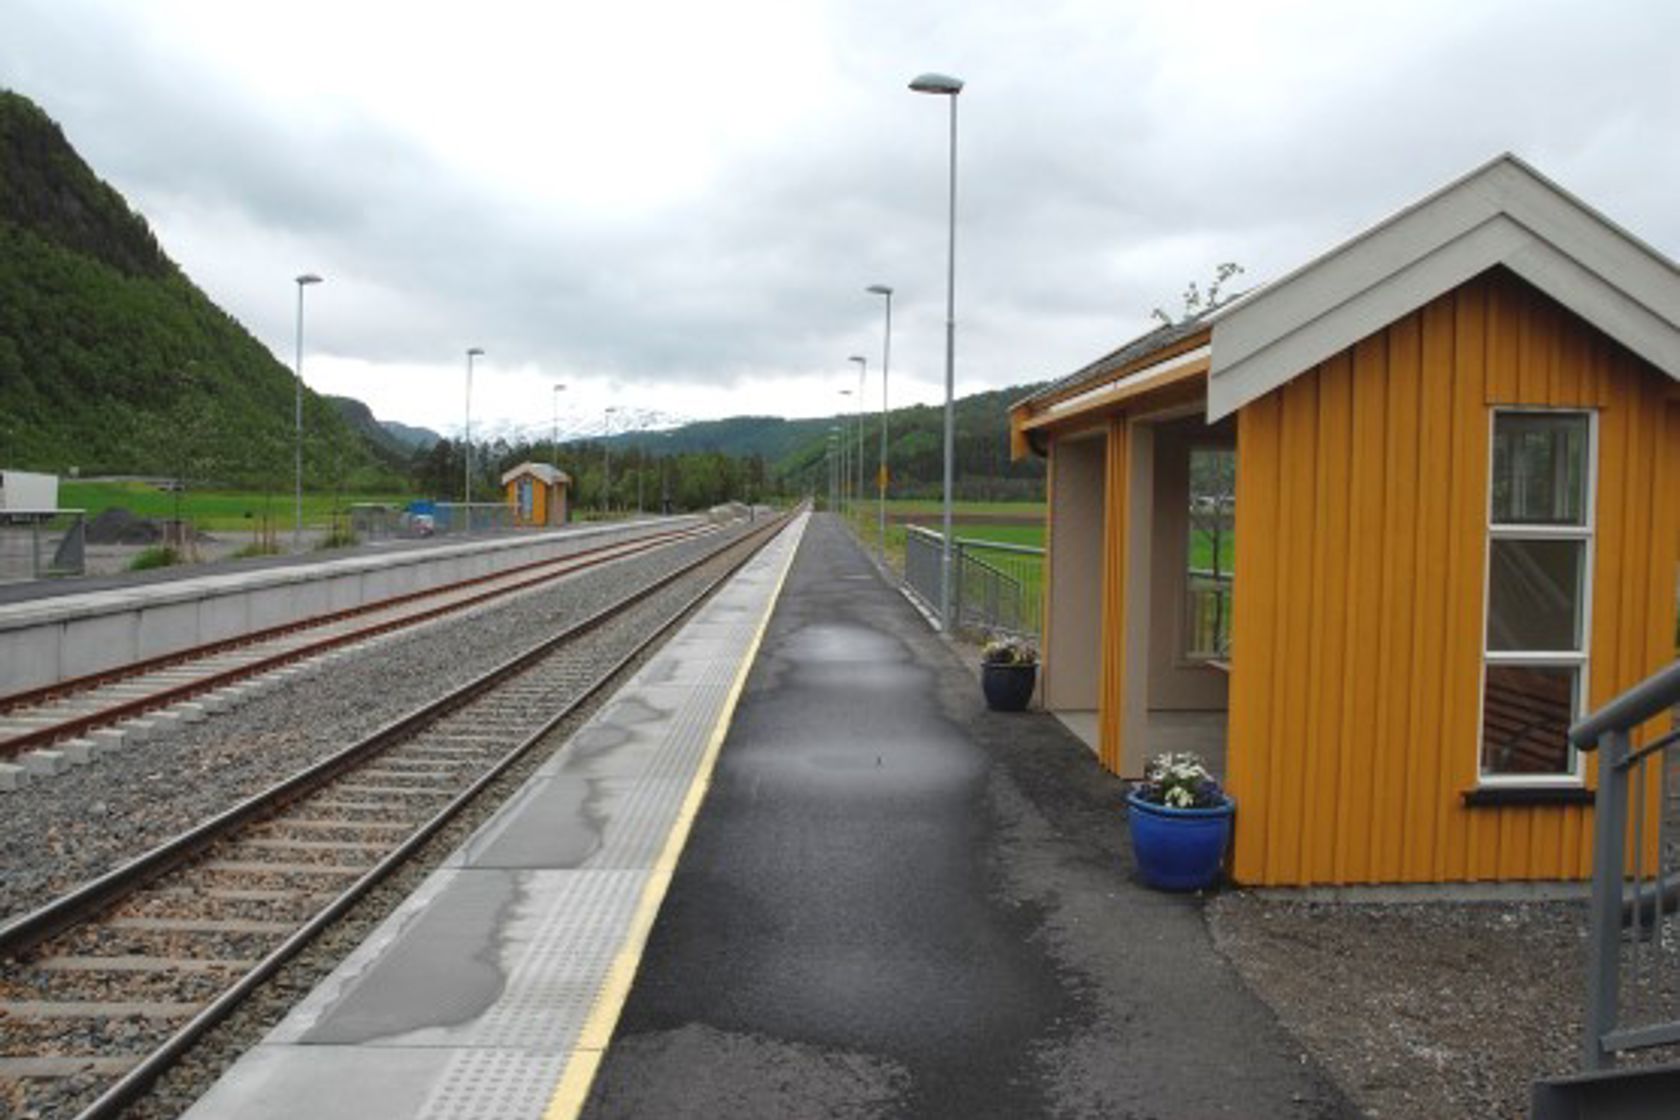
(1505, 213)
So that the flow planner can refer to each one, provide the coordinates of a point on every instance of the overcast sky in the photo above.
(674, 207)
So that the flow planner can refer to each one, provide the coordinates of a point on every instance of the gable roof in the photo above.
(543, 472)
(1503, 213)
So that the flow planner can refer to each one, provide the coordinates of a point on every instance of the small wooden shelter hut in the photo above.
(538, 494)
(1370, 536)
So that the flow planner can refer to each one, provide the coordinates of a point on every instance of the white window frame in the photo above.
(1581, 659)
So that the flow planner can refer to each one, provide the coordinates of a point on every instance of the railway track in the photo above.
(120, 702)
(105, 988)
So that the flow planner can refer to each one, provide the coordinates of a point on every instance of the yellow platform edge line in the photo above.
(572, 1090)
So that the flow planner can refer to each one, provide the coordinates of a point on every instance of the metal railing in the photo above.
(1207, 606)
(42, 544)
(996, 586)
(1633, 979)
(455, 518)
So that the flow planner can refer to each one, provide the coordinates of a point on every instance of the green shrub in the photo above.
(338, 538)
(158, 556)
(256, 548)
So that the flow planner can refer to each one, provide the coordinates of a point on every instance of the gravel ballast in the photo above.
(68, 829)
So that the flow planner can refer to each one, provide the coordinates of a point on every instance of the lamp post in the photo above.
(881, 478)
(466, 440)
(606, 460)
(554, 434)
(845, 457)
(303, 282)
(863, 373)
(946, 86)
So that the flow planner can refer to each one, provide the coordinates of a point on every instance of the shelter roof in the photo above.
(542, 471)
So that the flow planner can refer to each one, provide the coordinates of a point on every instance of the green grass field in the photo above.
(211, 510)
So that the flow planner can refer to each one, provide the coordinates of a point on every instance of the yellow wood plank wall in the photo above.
(1355, 692)
(1111, 689)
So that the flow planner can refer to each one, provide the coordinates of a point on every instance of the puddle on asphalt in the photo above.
(840, 642)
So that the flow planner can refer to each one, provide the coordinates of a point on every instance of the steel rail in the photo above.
(88, 681)
(136, 1081)
(163, 697)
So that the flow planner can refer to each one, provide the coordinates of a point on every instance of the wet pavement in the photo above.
(895, 903)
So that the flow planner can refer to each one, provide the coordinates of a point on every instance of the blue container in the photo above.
(1179, 849)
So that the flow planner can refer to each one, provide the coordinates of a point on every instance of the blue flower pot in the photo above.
(1008, 688)
(1179, 849)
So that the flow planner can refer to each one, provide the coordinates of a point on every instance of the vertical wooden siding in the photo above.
(1116, 542)
(1358, 628)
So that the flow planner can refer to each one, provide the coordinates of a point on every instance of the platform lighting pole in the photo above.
(466, 441)
(554, 434)
(946, 86)
(846, 498)
(303, 282)
(863, 373)
(881, 478)
(606, 460)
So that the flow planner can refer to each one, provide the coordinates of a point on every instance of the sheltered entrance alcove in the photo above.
(1141, 551)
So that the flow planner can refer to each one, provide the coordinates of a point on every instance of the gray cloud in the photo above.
(1105, 162)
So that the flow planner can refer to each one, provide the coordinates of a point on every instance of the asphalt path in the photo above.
(895, 903)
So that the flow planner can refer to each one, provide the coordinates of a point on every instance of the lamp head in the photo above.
(937, 83)
(308, 278)
(879, 290)
(474, 352)
(859, 358)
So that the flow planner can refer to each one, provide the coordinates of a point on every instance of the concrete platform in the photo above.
(46, 640)
(497, 985)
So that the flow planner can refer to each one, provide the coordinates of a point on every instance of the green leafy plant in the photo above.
(1179, 780)
(158, 556)
(1009, 650)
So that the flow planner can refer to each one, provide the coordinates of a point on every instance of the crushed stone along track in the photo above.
(121, 699)
(101, 991)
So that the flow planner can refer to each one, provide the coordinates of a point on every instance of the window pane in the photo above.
(1534, 595)
(1539, 469)
(1525, 717)
(1212, 552)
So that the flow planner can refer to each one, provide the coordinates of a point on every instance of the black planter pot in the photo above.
(1008, 687)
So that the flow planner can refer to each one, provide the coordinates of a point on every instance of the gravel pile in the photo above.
(80, 824)
(118, 526)
(1431, 1009)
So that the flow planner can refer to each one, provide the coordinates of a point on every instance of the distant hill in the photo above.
(415, 439)
(795, 451)
(111, 360)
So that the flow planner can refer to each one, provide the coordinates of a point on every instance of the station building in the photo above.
(1372, 535)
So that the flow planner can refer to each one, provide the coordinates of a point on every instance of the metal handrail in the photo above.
(1609, 731)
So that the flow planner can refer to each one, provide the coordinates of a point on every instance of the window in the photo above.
(1212, 553)
(1538, 599)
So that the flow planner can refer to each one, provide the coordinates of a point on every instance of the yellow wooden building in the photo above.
(538, 493)
(1372, 535)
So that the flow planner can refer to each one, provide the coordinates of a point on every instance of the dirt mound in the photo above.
(118, 526)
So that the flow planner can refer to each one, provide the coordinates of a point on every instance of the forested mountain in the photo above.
(796, 450)
(112, 360)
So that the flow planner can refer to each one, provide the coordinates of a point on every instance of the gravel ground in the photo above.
(1429, 1009)
(63, 831)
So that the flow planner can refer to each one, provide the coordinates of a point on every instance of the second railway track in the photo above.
(118, 701)
(101, 990)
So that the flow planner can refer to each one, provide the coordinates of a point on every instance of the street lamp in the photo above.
(303, 282)
(881, 479)
(845, 456)
(948, 87)
(554, 435)
(466, 440)
(606, 460)
(863, 373)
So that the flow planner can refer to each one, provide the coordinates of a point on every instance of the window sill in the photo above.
(1483, 797)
